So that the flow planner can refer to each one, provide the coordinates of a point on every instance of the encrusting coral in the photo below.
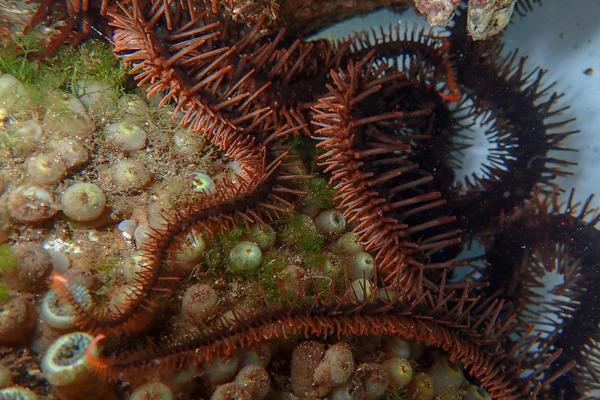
(205, 256)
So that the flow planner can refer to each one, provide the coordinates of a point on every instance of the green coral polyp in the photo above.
(330, 222)
(263, 235)
(476, 393)
(70, 151)
(400, 372)
(31, 204)
(66, 116)
(83, 201)
(245, 257)
(14, 96)
(130, 175)
(17, 393)
(16, 319)
(65, 362)
(134, 107)
(421, 387)
(445, 376)
(199, 303)
(23, 138)
(45, 169)
(362, 290)
(99, 97)
(361, 265)
(187, 143)
(202, 183)
(348, 244)
(190, 252)
(126, 134)
(152, 390)
(66, 367)
(56, 314)
(327, 263)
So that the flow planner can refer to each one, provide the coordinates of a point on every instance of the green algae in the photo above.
(107, 264)
(318, 193)
(4, 292)
(300, 232)
(107, 269)
(8, 258)
(232, 236)
(263, 235)
(92, 61)
(317, 260)
(398, 394)
(14, 58)
(214, 258)
(452, 393)
(305, 148)
(274, 262)
(4, 224)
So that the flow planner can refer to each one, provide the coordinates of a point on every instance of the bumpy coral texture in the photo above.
(387, 113)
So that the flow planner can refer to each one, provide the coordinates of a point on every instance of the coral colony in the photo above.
(195, 206)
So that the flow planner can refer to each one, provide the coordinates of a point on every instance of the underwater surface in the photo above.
(197, 205)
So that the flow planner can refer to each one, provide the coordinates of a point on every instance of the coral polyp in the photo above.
(282, 218)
